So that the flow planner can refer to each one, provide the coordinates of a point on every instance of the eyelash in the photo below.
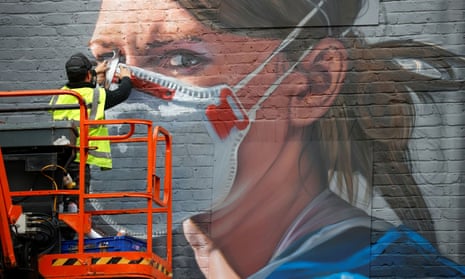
(183, 61)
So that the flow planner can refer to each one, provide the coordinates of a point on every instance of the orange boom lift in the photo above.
(30, 220)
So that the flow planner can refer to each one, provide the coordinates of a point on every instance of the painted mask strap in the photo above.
(285, 43)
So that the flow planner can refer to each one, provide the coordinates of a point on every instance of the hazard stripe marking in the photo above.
(124, 261)
(113, 260)
(65, 261)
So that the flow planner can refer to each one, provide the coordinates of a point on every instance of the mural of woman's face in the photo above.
(249, 163)
(162, 37)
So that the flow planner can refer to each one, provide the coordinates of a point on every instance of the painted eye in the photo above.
(184, 60)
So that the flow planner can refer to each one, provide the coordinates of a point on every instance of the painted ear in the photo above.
(322, 74)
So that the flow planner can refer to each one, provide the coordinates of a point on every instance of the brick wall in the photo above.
(37, 37)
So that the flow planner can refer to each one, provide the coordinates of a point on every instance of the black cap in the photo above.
(77, 67)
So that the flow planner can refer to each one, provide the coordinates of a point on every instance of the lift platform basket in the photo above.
(105, 244)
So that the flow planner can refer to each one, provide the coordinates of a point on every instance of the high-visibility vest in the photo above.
(101, 155)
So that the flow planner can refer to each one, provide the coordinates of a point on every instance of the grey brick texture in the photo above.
(38, 36)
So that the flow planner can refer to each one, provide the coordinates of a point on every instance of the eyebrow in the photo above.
(158, 43)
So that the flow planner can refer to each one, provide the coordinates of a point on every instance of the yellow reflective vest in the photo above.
(101, 155)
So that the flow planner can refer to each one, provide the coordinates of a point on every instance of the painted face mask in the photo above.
(208, 125)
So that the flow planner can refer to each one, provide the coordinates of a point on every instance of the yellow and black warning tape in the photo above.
(113, 260)
(66, 261)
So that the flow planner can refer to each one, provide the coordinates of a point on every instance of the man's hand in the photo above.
(210, 259)
(124, 72)
(101, 69)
